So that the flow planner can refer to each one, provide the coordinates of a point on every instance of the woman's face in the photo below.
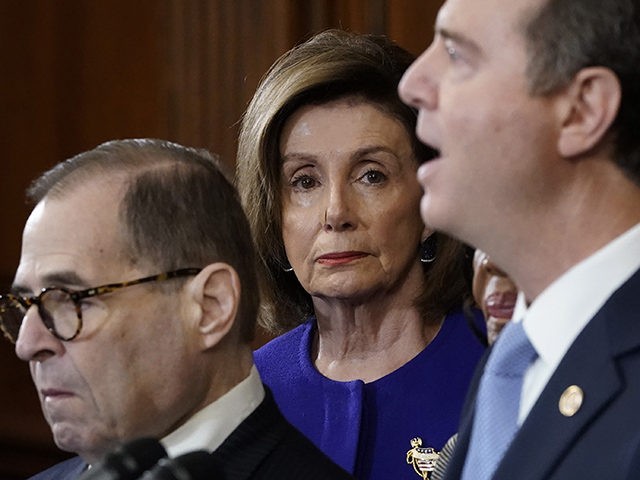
(494, 292)
(350, 202)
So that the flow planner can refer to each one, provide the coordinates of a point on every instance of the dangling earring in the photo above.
(287, 266)
(428, 249)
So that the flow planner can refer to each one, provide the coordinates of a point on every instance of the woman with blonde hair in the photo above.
(377, 354)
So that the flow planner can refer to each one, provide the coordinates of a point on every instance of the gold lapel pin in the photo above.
(422, 458)
(571, 401)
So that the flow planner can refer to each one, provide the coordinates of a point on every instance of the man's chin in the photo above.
(429, 214)
(425, 204)
(71, 439)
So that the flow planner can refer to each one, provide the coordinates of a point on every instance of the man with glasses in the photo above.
(134, 303)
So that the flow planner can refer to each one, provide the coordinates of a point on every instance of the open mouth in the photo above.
(432, 152)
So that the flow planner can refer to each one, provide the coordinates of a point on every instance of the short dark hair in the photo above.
(565, 36)
(332, 65)
(178, 210)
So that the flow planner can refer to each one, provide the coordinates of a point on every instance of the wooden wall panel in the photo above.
(220, 50)
(75, 73)
(410, 22)
(79, 72)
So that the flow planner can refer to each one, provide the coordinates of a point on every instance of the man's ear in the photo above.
(593, 100)
(216, 291)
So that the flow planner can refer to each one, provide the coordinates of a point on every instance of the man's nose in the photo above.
(35, 341)
(418, 87)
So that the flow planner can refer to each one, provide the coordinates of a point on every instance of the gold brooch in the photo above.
(422, 458)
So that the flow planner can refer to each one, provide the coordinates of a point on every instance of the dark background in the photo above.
(75, 73)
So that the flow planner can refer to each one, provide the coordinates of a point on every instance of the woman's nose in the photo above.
(338, 214)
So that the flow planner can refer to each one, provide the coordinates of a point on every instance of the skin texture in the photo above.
(110, 384)
(511, 161)
(477, 143)
(494, 292)
(351, 228)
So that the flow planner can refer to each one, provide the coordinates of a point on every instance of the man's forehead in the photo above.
(82, 207)
(87, 180)
(468, 17)
(79, 231)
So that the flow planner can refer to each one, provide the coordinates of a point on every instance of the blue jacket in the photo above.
(367, 428)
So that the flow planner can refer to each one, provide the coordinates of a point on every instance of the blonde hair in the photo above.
(333, 64)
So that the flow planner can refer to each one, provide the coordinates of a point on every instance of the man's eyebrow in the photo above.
(55, 279)
(17, 289)
(64, 278)
(459, 38)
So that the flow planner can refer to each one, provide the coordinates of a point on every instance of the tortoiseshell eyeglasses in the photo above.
(60, 309)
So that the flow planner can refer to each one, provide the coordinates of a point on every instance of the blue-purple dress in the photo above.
(367, 427)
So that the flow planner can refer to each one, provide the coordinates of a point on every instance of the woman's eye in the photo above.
(374, 176)
(304, 182)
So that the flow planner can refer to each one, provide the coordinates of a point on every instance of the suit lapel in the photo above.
(77, 469)
(255, 438)
(590, 363)
(546, 434)
(70, 469)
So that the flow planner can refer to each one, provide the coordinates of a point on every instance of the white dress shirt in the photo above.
(554, 319)
(208, 428)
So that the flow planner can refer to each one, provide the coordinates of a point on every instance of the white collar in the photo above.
(208, 428)
(562, 310)
(558, 315)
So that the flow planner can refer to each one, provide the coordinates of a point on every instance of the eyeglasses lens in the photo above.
(11, 313)
(55, 307)
(59, 313)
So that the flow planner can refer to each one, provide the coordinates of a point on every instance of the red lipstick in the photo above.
(501, 304)
(340, 258)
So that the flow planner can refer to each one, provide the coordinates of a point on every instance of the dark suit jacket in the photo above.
(264, 446)
(67, 470)
(602, 440)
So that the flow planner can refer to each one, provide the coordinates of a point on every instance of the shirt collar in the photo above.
(562, 310)
(208, 428)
